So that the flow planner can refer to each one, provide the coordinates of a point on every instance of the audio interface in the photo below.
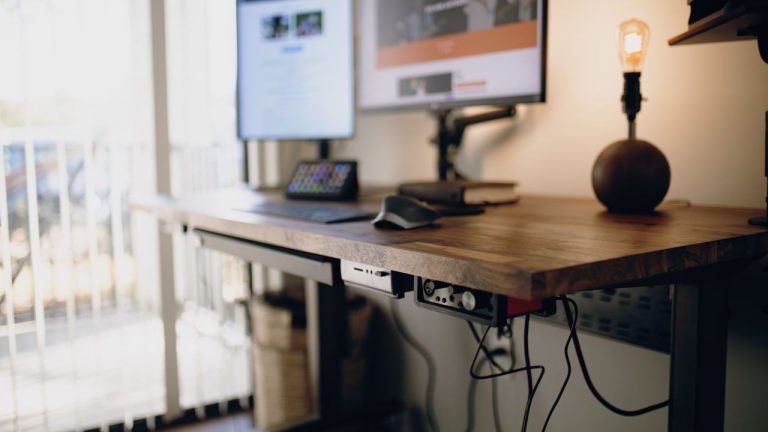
(475, 305)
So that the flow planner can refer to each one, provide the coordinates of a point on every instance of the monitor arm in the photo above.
(450, 132)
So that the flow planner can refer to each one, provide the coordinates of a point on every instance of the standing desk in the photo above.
(538, 248)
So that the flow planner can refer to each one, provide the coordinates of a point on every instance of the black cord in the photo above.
(473, 390)
(528, 367)
(510, 335)
(529, 402)
(490, 356)
(592, 388)
(527, 352)
(430, 396)
(565, 301)
(508, 372)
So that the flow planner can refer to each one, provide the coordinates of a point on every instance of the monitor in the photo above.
(295, 69)
(451, 53)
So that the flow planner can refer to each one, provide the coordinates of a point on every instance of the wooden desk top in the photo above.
(539, 247)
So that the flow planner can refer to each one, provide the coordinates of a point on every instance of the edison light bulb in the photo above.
(633, 44)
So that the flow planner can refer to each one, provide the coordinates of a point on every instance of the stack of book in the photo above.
(461, 192)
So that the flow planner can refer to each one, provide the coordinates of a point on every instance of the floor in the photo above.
(234, 423)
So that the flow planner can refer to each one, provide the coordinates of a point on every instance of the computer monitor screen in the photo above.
(295, 69)
(447, 53)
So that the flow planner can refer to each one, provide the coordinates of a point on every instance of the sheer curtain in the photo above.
(75, 135)
(81, 342)
(211, 288)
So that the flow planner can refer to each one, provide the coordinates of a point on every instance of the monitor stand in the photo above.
(450, 131)
(323, 149)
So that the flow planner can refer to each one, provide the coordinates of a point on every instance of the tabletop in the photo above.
(538, 247)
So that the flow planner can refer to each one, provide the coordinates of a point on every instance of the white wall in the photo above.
(705, 110)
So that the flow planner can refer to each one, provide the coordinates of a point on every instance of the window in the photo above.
(79, 324)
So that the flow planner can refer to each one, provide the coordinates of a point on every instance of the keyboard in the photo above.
(323, 213)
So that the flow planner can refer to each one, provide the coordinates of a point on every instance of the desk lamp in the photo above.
(631, 175)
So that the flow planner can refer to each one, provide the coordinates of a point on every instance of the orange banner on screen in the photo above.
(503, 38)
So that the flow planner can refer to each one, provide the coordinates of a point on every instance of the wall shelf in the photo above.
(727, 24)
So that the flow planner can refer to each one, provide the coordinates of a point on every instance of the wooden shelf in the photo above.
(722, 26)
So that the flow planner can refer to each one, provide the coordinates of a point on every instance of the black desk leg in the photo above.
(699, 348)
(326, 315)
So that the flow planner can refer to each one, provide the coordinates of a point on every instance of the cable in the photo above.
(592, 388)
(510, 335)
(528, 367)
(471, 400)
(508, 372)
(495, 405)
(565, 301)
(490, 356)
(430, 396)
(494, 389)
(527, 352)
(473, 389)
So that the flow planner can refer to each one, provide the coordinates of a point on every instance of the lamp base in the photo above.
(631, 176)
(759, 221)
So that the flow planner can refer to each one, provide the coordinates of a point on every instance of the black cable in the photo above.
(527, 352)
(529, 402)
(508, 372)
(430, 397)
(531, 389)
(592, 388)
(565, 301)
(510, 336)
(473, 389)
(490, 356)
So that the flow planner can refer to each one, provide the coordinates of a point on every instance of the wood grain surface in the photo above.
(539, 247)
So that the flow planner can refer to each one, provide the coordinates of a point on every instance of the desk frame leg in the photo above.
(327, 332)
(699, 348)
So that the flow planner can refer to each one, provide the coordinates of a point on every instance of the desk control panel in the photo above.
(378, 279)
(475, 305)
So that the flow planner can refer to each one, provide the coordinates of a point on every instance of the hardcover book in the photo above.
(461, 192)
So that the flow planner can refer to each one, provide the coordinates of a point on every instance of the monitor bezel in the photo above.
(353, 83)
(540, 97)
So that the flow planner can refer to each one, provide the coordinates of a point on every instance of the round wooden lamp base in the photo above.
(631, 176)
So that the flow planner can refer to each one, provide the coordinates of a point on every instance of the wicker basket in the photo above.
(283, 392)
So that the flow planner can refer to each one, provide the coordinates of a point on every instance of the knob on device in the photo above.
(468, 301)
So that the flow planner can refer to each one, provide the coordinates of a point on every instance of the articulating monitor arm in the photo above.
(450, 133)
